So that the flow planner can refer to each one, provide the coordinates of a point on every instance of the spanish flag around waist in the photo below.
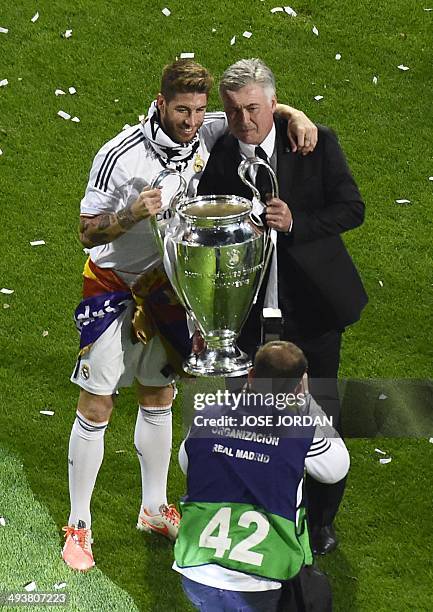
(157, 312)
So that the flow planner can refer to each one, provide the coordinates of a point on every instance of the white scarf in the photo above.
(173, 155)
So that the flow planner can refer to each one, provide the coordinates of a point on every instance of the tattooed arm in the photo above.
(106, 227)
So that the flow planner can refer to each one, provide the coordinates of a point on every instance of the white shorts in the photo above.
(115, 361)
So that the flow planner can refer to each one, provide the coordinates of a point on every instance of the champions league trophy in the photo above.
(215, 252)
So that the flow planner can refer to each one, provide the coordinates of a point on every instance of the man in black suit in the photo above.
(312, 277)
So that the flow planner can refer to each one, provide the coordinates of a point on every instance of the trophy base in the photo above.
(228, 361)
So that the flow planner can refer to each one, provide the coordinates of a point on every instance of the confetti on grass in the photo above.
(431, 440)
(75, 120)
(318, 98)
(64, 115)
(4, 30)
(37, 242)
(382, 396)
(381, 452)
(67, 34)
(7, 291)
(60, 92)
(44, 333)
(166, 12)
(3, 82)
(35, 18)
(375, 79)
(30, 586)
(2, 521)
(402, 201)
(385, 460)
(72, 90)
(47, 412)
(403, 67)
(233, 40)
(59, 585)
(247, 34)
(338, 56)
(315, 31)
(381, 283)
(187, 56)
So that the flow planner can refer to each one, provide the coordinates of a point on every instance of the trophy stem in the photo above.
(221, 357)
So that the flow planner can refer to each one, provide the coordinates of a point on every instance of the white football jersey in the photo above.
(120, 170)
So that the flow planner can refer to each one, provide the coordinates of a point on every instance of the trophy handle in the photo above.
(246, 164)
(176, 198)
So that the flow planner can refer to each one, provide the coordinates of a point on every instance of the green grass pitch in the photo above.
(114, 60)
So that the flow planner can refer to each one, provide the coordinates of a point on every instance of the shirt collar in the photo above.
(268, 145)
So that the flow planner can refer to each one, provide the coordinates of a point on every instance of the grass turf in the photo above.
(116, 53)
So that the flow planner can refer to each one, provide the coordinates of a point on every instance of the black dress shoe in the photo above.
(323, 540)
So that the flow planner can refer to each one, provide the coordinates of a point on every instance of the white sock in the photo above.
(86, 450)
(152, 441)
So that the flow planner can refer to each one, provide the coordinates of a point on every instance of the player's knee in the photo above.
(155, 396)
(96, 408)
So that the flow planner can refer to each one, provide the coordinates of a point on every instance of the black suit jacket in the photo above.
(318, 283)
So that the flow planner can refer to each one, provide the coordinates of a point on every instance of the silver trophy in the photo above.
(215, 253)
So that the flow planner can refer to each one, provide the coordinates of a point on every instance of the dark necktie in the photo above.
(263, 180)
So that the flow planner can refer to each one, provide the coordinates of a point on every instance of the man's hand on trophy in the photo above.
(278, 215)
(302, 133)
(148, 203)
(198, 343)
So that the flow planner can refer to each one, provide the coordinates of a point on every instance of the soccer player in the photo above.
(132, 327)
(243, 530)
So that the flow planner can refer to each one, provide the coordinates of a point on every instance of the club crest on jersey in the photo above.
(85, 371)
(198, 163)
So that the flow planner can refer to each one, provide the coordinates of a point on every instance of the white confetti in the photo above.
(20, 78)
(126, 126)
(318, 98)
(431, 440)
(213, 30)
(166, 12)
(2, 521)
(59, 585)
(1, 152)
(315, 31)
(382, 396)
(60, 92)
(247, 34)
(430, 178)
(116, 99)
(4, 30)
(277, 9)
(64, 115)
(290, 11)
(37, 242)
(375, 79)
(75, 120)
(385, 460)
(120, 451)
(3, 82)
(233, 40)
(428, 9)
(381, 283)
(187, 55)
(35, 17)
(30, 586)
(381, 452)
(402, 201)
(67, 34)
(6, 306)
(7, 291)
(44, 333)
(403, 67)
(72, 90)
(47, 412)
(338, 56)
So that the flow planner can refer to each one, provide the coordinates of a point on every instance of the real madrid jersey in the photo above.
(120, 171)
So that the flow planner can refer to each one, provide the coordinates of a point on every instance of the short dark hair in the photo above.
(280, 360)
(185, 76)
